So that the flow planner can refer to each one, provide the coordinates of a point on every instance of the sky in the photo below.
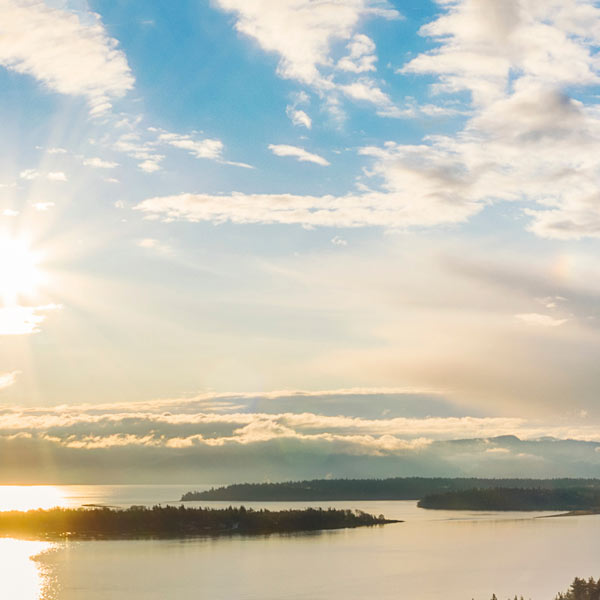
(271, 239)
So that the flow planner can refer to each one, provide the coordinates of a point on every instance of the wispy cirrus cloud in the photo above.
(296, 114)
(387, 210)
(299, 154)
(149, 146)
(68, 52)
(540, 320)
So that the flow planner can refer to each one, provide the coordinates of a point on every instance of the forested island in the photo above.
(175, 521)
(397, 488)
(500, 498)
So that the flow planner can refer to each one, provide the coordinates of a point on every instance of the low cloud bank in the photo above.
(223, 438)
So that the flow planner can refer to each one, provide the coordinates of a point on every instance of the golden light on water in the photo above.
(30, 497)
(21, 576)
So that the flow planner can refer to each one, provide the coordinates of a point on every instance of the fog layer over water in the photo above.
(432, 555)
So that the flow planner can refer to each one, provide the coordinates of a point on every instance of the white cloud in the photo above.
(144, 145)
(303, 33)
(133, 145)
(540, 320)
(23, 320)
(156, 245)
(150, 165)
(56, 176)
(296, 115)
(29, 174)
(527, 139)
(206, 148)
(43, 206)
(68, 55)
(9, 212)
(361, 55)
(299, 153)
(366, 90)
(338, 241)
(99, 163)
(215, 421)
(421, 186)
(498, 451)
(299, 117)
(388, 210)
(8, 379)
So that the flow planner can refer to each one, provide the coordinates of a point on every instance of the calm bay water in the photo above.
(432, 555)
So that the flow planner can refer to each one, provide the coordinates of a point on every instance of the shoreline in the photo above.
(175, 522)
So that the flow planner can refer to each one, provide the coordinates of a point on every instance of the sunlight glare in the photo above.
(30, 497)
(19, 270)
(21, 576)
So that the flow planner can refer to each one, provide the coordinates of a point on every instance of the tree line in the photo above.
(499, 498)
(580, 589)
(394, 488)
(175, 521)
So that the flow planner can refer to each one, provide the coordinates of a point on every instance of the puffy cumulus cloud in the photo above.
(485, 43)
(361, 55)
(298, 153)
(70, 53)
(527, 138)
(303, 33)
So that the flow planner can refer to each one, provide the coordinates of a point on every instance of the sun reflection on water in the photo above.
(21, 577)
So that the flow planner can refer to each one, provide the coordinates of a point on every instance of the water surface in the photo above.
(432, 555)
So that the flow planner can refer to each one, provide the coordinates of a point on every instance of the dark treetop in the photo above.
(571, 499)
(397, 488)
(173, 521)
(580, 589)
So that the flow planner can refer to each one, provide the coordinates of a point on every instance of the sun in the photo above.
(20, 273)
